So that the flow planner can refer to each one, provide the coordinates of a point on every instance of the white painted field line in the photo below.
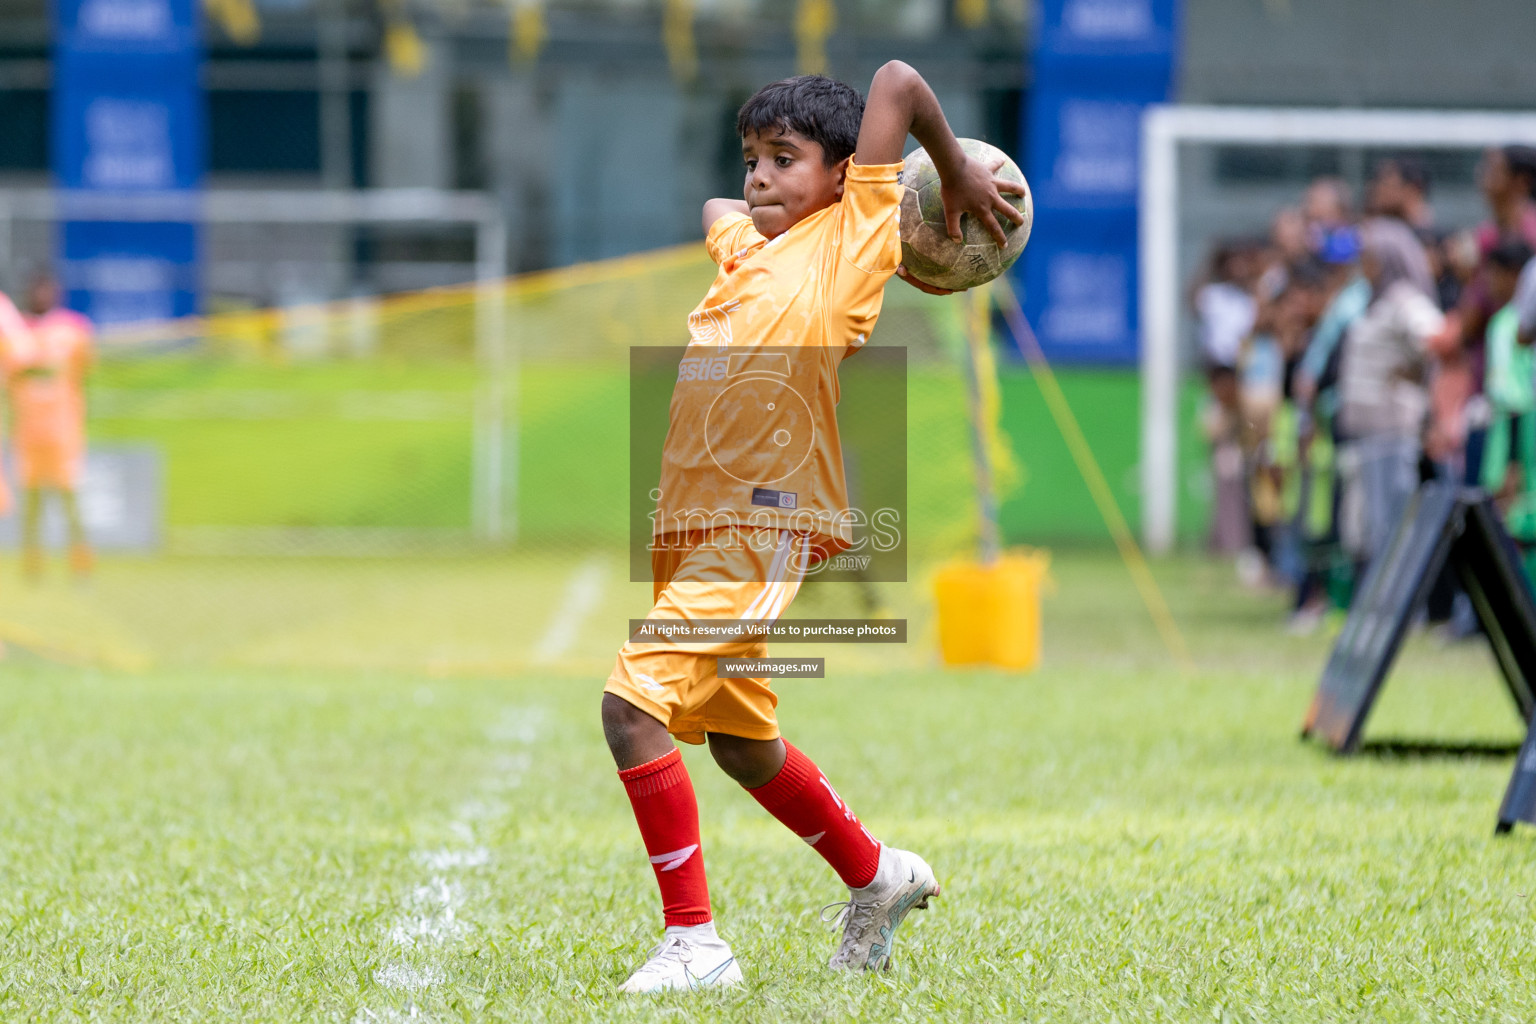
(446, 859)
(432, 917)
(412, 979)
(390, 1016)
(582, 593)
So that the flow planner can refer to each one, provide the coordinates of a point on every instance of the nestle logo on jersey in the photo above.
(703, 368)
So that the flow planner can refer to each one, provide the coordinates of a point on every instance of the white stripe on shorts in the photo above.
(791, 588)
(774, 575)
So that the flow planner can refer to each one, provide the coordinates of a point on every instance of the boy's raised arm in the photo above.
(900, 104)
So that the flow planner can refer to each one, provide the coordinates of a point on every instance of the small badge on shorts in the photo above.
(773, 499)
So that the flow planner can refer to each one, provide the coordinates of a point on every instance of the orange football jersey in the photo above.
(753, 437)
(47, 383)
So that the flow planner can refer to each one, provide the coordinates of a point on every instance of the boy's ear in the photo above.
(842, 174)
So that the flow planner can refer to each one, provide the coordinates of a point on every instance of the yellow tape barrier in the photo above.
(1093, 476)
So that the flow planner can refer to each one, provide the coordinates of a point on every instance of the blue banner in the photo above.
(1080, 288)
(1107, 33)
(1098, 64)
(127, 118)
(113, 29)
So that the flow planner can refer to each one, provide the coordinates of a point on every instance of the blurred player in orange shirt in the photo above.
(47, 390)
(15, 348)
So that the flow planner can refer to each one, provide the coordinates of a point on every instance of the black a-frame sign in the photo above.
(1444, 525)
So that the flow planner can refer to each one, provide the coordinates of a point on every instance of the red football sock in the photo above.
(802, 798)
(662, 796)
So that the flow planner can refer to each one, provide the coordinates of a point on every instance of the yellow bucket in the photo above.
(990, 615)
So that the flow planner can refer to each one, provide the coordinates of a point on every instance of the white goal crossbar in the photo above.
(1163, 128)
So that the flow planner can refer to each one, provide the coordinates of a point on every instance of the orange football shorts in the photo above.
(49, 463)
(734, 572)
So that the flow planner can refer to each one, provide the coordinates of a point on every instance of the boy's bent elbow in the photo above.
(895, 75)
(895, 101)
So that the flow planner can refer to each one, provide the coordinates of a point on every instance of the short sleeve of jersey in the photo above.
(729, 235)
(871, 217)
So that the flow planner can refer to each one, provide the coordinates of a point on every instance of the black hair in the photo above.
(1510, 255)
(1222, 254)
(1410, 168)
(822, 109)
(1522, 162)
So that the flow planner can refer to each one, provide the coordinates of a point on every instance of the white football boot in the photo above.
(870, 917)
(687, 958)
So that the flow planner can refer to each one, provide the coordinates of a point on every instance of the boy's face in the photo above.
(42, 295)
(1302, 305)
(1224, 387)
(1389, 192)
(1493, 176)
(787, 180)
(1289, 234)
(1502, 282)
(1323, 204)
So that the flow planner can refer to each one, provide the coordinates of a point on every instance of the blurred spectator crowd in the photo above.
(1356, 352)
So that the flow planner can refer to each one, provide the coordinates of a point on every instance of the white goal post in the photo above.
(1163, 128)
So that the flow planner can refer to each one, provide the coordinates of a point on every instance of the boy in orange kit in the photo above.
(803, 265)
(47, 386)
(15, 349)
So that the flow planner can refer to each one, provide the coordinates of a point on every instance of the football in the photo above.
(929, 253)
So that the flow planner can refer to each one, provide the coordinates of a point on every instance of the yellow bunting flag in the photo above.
(677, 35)
(529, 32)
(407, 57)
(238, 19)
(814, 22)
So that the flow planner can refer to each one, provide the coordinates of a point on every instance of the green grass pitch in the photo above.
(1119, 840)
(389, 445)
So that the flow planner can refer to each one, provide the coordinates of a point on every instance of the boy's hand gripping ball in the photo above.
(927, 251)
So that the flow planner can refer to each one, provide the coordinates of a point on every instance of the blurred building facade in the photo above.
(600, 125)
